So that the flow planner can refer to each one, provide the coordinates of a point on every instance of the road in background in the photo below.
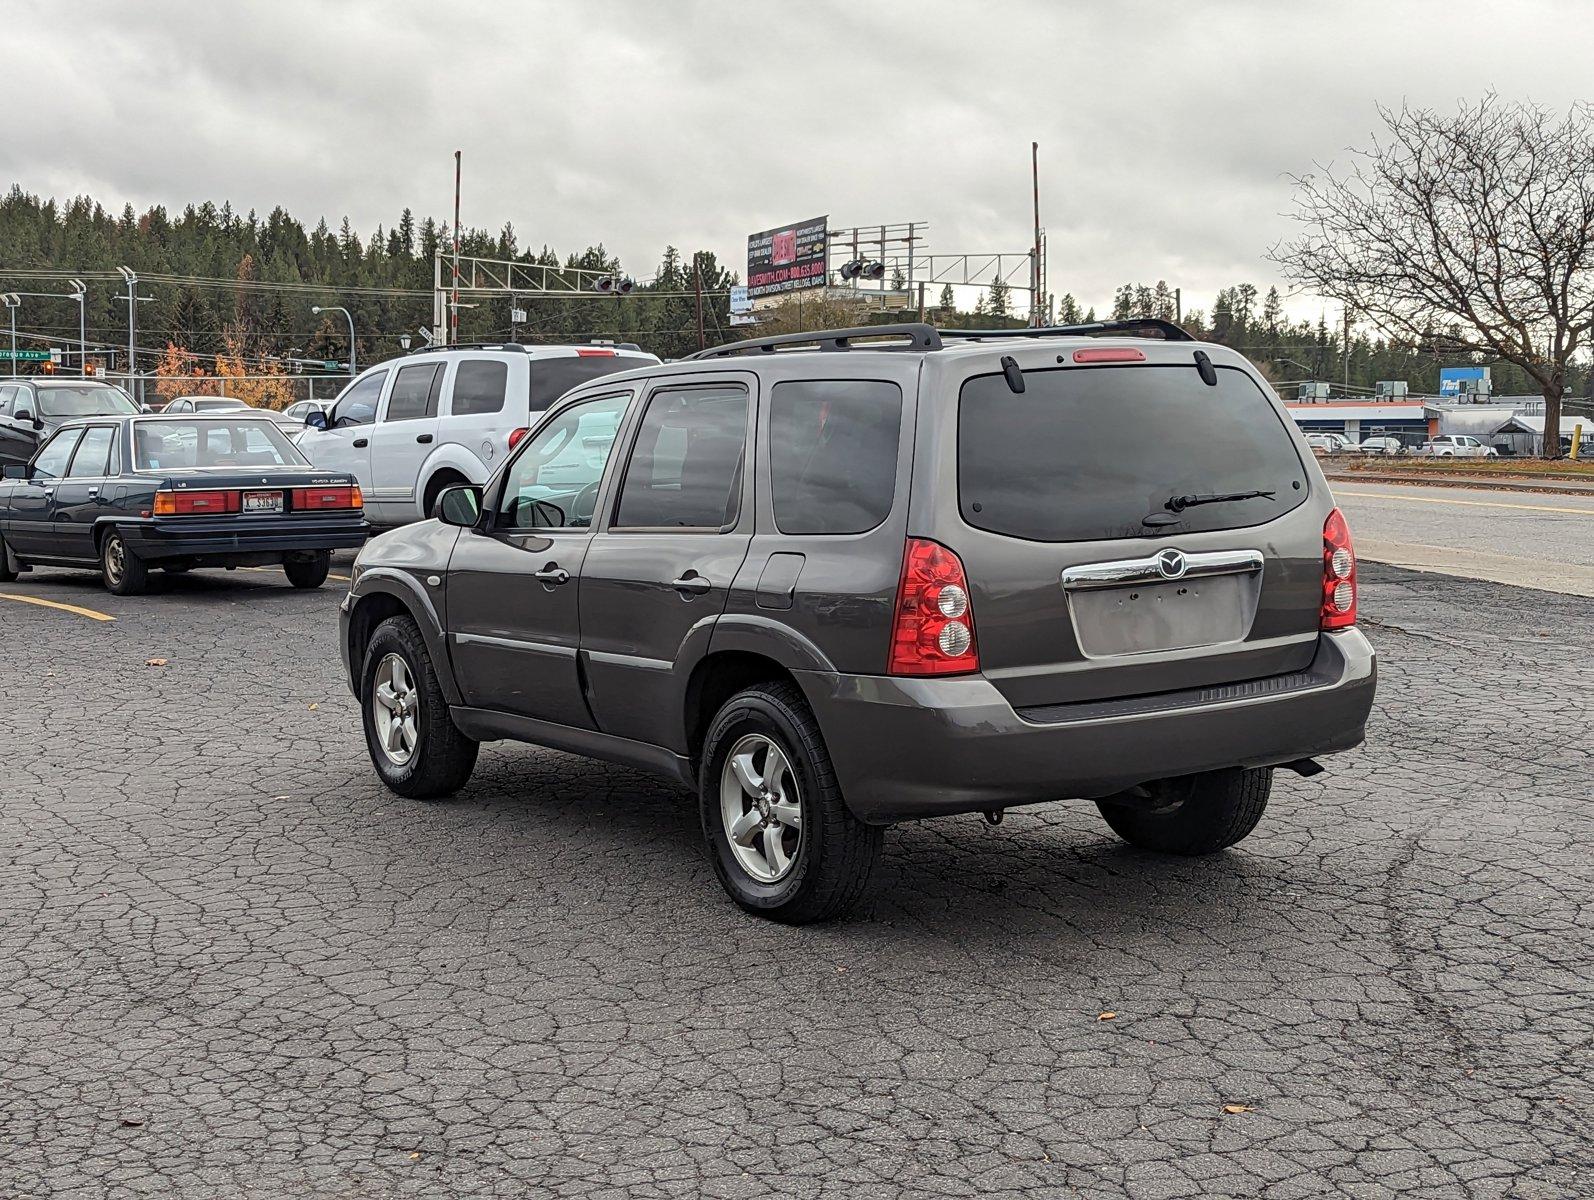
(1523, 538)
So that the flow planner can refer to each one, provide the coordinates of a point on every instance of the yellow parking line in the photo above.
(1582, 512)
(90, 613)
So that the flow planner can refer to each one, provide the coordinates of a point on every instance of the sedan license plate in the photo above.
(262, 502)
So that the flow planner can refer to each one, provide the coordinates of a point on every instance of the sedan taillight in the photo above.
(170, 503)
(316, 498)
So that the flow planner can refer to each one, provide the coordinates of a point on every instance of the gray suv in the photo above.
(837, 580)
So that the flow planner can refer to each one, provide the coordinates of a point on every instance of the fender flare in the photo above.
(387, 581)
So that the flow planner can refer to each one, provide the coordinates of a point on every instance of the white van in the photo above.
(412, 426)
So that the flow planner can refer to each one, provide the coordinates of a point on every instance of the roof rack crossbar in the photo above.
(1169, 331)
(915, 335)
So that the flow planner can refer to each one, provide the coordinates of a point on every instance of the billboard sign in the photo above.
(788, 258)
(1450, 379)
(740, 301)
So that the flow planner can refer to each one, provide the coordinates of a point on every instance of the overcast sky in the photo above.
(1167, 130)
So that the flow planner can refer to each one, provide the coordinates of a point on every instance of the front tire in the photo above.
(126, 574)
(414, 744)
(1194, 814)
(308, 572)
(783, 842)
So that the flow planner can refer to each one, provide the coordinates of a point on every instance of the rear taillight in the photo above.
(515, 435)
(933, 632)
(1339, 574)
(595, 352)
(193, 504)
(316, 498)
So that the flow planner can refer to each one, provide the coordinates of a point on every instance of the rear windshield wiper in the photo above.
(1180, 503)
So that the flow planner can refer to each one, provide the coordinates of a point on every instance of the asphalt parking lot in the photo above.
(232, 965)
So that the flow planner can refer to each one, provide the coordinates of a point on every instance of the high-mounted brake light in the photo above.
(169, 503)
(307, 499)
(586, 352)
(515, 435)
(1339, 574)
(1101, 354)
(933, 631)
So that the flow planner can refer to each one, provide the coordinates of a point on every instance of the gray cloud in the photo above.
(1167, 131)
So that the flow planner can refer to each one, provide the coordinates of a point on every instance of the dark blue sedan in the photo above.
(125, 494)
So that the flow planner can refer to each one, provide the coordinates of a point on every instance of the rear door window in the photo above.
(93, 452)
(833, 454)
(479, 387)
(1085, 454)
(685, 470)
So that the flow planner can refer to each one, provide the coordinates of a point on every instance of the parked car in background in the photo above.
(32, 409)
(1456, 445)
(412, 426)
(1329, 443)
(1381, 444)
(837, 580)
(123, 495)
(301, 409)
(227, 404)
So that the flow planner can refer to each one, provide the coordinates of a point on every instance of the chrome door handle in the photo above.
(552, 574)
(695, 585)
(94, 491)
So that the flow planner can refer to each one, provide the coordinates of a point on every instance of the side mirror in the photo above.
(316, 419)
(14, 471)
(26, 414)
(459, 505)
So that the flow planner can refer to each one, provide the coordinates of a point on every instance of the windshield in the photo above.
(211, 442)
(85, 401)
(1085, 454)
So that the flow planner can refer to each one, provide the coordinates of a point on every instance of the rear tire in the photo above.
(1200, 814)
(126, 574)
(813, 873)
(8, 563)
(430, 758)
(308, 572)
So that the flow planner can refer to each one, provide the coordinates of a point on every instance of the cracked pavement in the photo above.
(231, 965)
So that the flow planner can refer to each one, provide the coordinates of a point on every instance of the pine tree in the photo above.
(948, 300)
(999, 297)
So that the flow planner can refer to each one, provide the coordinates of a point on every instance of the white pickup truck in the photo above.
(1456, 445)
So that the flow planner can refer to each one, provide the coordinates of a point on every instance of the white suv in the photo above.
(412, 426)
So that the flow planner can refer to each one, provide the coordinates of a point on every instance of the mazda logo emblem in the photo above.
(1170, 563)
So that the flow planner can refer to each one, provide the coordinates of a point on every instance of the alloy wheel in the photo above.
(396, 709)
(760, 808)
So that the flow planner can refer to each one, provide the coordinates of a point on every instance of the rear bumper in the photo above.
(219, 540)
(910, 748)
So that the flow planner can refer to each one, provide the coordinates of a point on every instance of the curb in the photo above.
(1556, 487)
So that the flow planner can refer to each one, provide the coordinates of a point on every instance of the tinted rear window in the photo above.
(479, 387)
(1085, 454)
(553, 377)
(833, 454)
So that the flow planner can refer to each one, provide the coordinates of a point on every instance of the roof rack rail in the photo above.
(918, 335)
(1169, 331)
(528, 348)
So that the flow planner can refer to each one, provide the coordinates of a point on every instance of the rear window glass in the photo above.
(1085, 454)
(553, 377)
(833, 454)
(170, 444)
(479, 387)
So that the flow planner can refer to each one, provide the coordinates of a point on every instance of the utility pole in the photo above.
(1036, 316)
(1178, 306)
(80, 293)
(132, 330)
(697, 291)
(1347, 349)
(453, 308)
(12, 301)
